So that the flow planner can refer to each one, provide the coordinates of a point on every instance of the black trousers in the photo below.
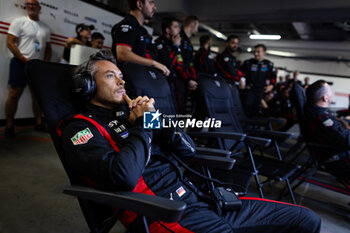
(256, 215)
(252, 101)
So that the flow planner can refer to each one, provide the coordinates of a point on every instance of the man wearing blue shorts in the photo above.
(28, 38)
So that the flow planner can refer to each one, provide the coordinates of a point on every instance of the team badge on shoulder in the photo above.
(159, 47)
(126, 28)
(82, 137)
(328, 122)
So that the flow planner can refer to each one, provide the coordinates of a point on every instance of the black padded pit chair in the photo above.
(217, 100)
(142, 80)
(51, 83)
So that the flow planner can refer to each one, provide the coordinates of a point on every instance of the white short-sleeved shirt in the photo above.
(32, 36)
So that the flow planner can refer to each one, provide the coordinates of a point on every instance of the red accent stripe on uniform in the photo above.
(2, 22)
(267, 200)
(148, 56)
(202, 57)
(128, 217)
(223, 70)
(123, 44)
(64, 37)
(175, 227)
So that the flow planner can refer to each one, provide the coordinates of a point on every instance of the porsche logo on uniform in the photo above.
(82, 137)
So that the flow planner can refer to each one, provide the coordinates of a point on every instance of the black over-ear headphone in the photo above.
(84, 84)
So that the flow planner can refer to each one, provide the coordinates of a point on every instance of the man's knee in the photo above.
(310, 222)
(15, 93)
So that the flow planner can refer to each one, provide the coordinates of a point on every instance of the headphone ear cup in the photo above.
(84, 86)
(93, 87)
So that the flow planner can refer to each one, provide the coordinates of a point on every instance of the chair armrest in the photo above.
(213, 161)
(223, 135)
(214, 152)
(278, 135)
(257, 141)
(150, 206)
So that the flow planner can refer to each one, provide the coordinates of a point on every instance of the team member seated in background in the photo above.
(28, 38)
(129, 36)
(260, 78)
(322, 127)
(129, 163)
(226, 61)
(204, 58)
(97, 40)
(83, 38)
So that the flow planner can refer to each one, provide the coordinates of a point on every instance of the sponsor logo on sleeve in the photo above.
(328, 123)
(82, 137)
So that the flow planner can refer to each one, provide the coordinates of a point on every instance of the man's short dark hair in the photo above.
(203, 40)
(190, 19)
(89, 66)
(315, 91)
(231, 37)
(97, 35)
(260, 46)
(167, 22)
(133, 4)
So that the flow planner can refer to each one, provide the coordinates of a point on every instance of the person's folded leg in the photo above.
(261, 215)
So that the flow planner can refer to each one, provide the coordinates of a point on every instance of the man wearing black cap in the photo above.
(129, 36)
(83, 35)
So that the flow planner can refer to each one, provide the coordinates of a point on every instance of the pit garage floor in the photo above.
(32, 179)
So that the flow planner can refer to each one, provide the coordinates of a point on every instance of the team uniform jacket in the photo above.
(170, 56)
(204, 62)
(138, 159)
(187, 53)
(227, 66)
(323, 128)
(258, 74)
(130, 33)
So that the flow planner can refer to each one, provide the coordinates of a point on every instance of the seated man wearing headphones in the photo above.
(129, 157)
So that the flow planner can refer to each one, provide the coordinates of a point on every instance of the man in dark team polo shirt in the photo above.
(129, 36)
